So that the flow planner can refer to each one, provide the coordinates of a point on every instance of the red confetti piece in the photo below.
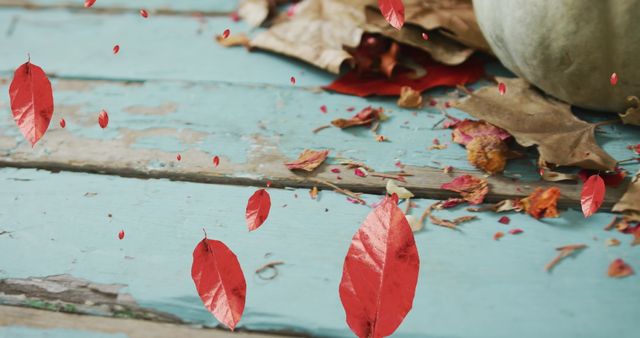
(359, 172)
(216, 161)
(425, 36)
(498, 235)
(592, 196)
(144, 13)
(393, 12)
(89, 3)
(219, 280)
(323, 109)
(63, 123)
(268, 184)
(31, 99)
(380, 272)
(502, 88)
(258, 209)
(504, 220)
(179, 157)
(116, 49)
(235, 17)
(515, 231)
(293, 80)
(226, 33)
(103, 119)
(614, 79)
(121, 234)
(335, 170)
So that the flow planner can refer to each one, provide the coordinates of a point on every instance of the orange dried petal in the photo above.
(488, 152)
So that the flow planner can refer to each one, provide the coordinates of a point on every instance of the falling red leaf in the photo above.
(308, 160)
(31, 101)
(89, 3)
(380, 272)
(504, 220)
(116, 49)
(103, 119)
(226, 33)
(258, 208)
(592, 196)
(502, 88)
(216, 160)
(437, 74)
(393, 12)
(472, 189)
(293, 80)
(179, 157)
(323, 109)
(425, 36)
(144, 13)
(63, 123)
(610, 179)
(219, 280)
(619, 269)
(515, 231)
(614, 79)
(121, 234)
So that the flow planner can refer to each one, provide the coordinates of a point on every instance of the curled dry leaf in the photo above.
(239, 39)
(534, 119)
(612, 242)
(542, 203)
(619, 268)
(258, 208)
(308, 160)
(219, 280)
(630, 201)
(31, 101)
(466, 130)
(402, 192)
(451, 223)
(364, 117)
(409, 98)
(254, 12)
(632, 115)
(488, 153)
(380, 272)
(472, 189)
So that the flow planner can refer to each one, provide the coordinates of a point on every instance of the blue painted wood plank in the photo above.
(220, 6)
(469, 284)
(29, 332)
(79, 45)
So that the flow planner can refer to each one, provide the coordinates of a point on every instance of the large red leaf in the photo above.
(437, 74)
(393, 12)
(258, 209)
(219, 281)
(593, 190)
(380, 272)
(31, 101)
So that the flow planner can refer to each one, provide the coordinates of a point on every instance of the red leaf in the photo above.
(226, 33)
(219, 281)
(103, 119)
(515, 231)
(293, 80)
(144, 13)
(121, 234)
(116, 49)
(504, 220)
(592, 195)
(437, 74)
(31, 101)
(179, 157)
(89, 3)
(216, 160)
(258, 209)
(380, 272)
(63, 123)
(393, 12)
(425, 36)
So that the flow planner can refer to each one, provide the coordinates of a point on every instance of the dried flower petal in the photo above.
(498, 235)
(144, 13)
(364, 117)
(472, 189)
(402, 192)
(121, 234)
(63, 123)
(466, 130)
(542, 203)
(516, 231)
(619, 269)
(504, 220)
(488, 152)
(308, 160)
(409, 98)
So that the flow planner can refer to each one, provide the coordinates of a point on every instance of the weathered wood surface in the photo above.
(206, 7)
(469, 284)
(32, 323)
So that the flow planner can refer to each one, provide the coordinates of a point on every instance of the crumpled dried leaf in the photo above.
(534, 119)
(488, 153)
(409, 98)
(472, 189)
(308, 160)
(317, 33)
(619, 268)
(630, 201)
(554, 176)
(239, 39)
(254, 12)
(466, 130)
(451, 223)
(364, 117)
(402, 192)
(632, 115)
(542, 203)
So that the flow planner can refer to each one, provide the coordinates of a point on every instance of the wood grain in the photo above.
(162, 7)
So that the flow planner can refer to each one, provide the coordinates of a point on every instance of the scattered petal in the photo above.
(502, 88)
(293, 80)
(409, 98)
(515, 231)
(116, 49)
(121, 234)
(103, 119)
(313, 192)
(489, 153)
(226, 33)
(504, 220)
(364, 117)
(239, 39)
(335, 170)
(542, 203)
(361, 172)
(472, 189)
(323, 109)
(63, 123)
(619, 269)
(89, 3)
(216, 161)
(498, 235)
(308, 160)
(235, 17)
(565, 251)
(466, 130)
(425, 36)
(612, 242)
(179, 157)
(144, 13)
(613, 79)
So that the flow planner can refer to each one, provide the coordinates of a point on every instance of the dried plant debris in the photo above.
(472, 189)
(239, 39)
(565, 251)
(409, 98)
(632, 115)
(619, 269)
(534, 119)
(402, 192)
(485, 143)
(308, 160)
(630, 201)
(366, 116)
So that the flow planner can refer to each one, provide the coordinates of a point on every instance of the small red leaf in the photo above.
(31, 101)
(614, 79)
(89, 3)
(103, 119)
(504, 220)
(179, 157)
(219, 280)
(293, 80)
(516, 231)
(116, 49)
(216, 160)
(323, 109)
(144, 13)
(592, 195)
(226, 33)
(258, 209)
(63, 123)
(393, 12)
(502, 88)
(380, 272)
(121, 234)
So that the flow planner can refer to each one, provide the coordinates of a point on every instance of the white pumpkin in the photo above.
(568, 48)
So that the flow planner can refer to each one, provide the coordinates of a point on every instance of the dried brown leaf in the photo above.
(364, 117)
(619, 268)
(308, 160)
(254, 12)
(632, 115)
(488, 153)
(409, 98)
(239, 39)
(630, 201)
(534, 119)
(554, 176)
